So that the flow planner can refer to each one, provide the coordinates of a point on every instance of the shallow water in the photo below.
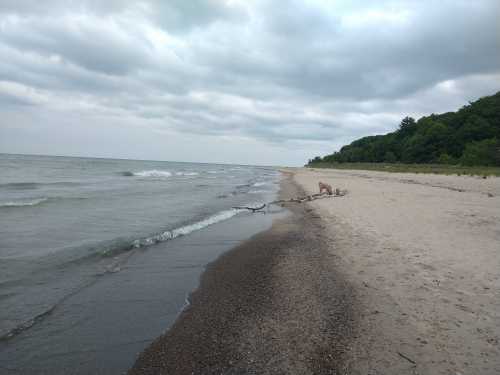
(97, 256)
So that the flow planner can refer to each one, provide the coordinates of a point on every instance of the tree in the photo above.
(407, 123)
(442, 138)
(446, 159)
(390, 157)
(485, 152)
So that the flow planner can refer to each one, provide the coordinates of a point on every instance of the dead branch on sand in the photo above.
(307, 198)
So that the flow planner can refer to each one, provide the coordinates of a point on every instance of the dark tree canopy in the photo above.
(470, 136)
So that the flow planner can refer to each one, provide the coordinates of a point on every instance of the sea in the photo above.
(98, 257)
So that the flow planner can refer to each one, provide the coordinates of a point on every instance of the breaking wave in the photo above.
(153, 173)
(157, 173)
(24, 203)
(257, 184)
(121, 245)
(184, 230)
(257, 191)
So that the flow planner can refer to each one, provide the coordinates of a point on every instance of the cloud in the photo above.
(303, 77)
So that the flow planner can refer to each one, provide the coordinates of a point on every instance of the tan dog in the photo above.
(325, 187)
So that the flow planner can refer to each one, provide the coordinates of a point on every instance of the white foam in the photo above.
(153, 173)
(186, 173)
(25, 203)
(257, 184)
(187, 229)
(257, 191)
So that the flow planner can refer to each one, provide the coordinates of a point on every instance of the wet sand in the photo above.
(276, 304)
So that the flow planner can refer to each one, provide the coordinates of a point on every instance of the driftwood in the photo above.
(407, 358)
(253, 209)
(307, 198)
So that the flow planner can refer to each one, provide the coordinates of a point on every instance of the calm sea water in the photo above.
(73, 225)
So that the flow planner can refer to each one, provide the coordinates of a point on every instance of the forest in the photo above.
(469, 137)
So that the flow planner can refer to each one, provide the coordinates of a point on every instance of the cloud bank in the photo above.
(258, 82)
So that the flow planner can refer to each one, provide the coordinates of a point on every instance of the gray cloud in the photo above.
(299, 77)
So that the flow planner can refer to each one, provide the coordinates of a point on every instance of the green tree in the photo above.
(485, 152)
(436, 138)
(407, 127)
(390, 157)
(446, 159)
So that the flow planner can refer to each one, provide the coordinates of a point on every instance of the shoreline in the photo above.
(275, 304)
(400, 276)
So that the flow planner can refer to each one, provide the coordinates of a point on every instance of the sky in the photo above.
(236, 81)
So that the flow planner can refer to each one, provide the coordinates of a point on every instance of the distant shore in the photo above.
(400, 276)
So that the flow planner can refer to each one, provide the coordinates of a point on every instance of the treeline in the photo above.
(470, 136)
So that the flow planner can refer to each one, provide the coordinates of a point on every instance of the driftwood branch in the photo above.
(307, 198)
(253, 209)
(407, 358)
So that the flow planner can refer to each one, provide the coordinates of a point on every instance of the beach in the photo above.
(400, 276)
(422, 251)
(271, 305)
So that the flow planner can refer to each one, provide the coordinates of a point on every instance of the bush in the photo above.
(390, 157)
(446, 159)
(485, 152)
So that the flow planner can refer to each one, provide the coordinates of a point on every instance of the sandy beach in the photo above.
(423, 254)
(400, 276)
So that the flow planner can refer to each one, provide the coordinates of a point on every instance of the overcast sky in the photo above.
(252, 82)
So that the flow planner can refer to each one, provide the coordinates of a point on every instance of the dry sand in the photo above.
(422, 253)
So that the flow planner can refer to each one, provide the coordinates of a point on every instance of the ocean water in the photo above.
(97, 256)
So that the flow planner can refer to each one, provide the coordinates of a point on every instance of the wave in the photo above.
(257, 184)
(23, 326)
(31, 202)
(113, 249)
(185, 230)
(257, 191)
(20, 185)
(153, 173)
(117, 246)
(156, 173)
(25, 203)
(35, 185)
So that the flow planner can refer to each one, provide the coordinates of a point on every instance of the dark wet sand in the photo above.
(274, 305)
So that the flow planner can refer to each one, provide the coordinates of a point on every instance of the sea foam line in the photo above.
(185, 230)
(25, 203)
(153, 173)
(257, 184)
